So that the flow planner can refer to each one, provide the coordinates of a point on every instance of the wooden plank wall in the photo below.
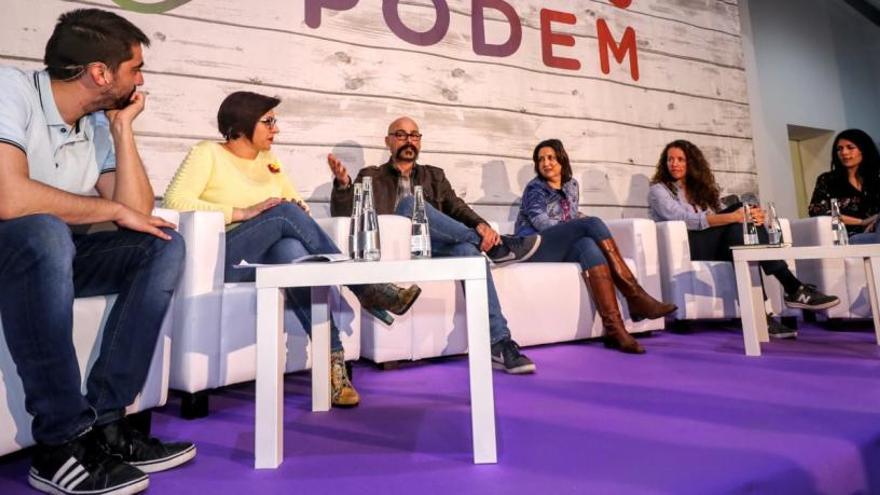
(343, 82)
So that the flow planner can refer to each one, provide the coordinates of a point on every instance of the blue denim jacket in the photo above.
(541, 206)
(665, 204)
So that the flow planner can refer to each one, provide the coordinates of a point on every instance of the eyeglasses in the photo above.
(401, 135)
(269, 122)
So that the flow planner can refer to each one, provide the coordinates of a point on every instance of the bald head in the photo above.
(400, 122)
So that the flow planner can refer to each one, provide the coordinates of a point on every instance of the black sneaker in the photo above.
(808, 297)
(777, 330)
(84, 466)
(506, 356)
(514, 249)
(147, 454)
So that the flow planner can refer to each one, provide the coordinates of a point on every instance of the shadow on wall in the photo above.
(638, 190)
(351, 154)
(497, 190)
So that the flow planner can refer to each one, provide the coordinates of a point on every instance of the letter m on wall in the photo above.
(627, 46)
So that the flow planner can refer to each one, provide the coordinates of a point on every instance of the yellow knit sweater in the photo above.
(211, 178)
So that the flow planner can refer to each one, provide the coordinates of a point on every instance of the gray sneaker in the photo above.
(514, 249)
(777, 330)
(506, 356)
(808, 297)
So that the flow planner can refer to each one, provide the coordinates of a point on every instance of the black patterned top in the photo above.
(852, 202)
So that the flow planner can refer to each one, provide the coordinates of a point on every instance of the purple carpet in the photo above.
(693, 416)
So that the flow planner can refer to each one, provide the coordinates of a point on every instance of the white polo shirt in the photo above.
(70, 158)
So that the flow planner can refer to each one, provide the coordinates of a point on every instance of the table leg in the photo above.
(872, 275)
(480, 368)
(747, 306)
(320, 350)
(269, 434)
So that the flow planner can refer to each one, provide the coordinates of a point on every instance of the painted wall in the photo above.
(347, 72)
(811, 63)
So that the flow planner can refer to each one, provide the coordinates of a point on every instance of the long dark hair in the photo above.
(240, 111)
(561, 157)
(869, 170)
(701, 187)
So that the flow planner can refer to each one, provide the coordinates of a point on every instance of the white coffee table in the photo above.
(268, 439)
(748, 282)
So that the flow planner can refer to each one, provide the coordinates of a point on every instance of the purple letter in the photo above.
(478, 28)
(429, 37)
(313, 9)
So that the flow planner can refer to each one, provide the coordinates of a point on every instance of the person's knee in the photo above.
(588, 253)
(46, 238)
(169, 255)
(405, 206)
(285, 209)
(464, 249)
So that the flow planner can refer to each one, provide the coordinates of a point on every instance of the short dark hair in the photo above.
(561, 157)
(84, 36)
(240, 111)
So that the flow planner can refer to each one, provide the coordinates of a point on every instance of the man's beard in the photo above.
(399, 155)
(123, 101)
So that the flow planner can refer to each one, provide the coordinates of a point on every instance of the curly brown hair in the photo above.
(702, 190)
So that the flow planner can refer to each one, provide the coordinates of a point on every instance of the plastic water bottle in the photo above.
(355, 247)
(838, 229)
(370, 224)
(420, 238)
(774, 228)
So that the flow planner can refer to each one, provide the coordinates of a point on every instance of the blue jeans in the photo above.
(450, 237)
(865, 238)
(42, 268)
(575, 241)
(279, 235)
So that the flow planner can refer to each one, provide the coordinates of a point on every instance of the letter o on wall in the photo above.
(429, 37)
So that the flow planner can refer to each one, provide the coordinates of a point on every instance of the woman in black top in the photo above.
(854, 180)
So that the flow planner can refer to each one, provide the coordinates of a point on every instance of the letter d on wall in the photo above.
(314, 7)
(478, 28)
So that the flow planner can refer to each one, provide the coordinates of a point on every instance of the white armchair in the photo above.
(844, 278)
(706, 289)
(435, 326)
(215, 325)
(89, 316)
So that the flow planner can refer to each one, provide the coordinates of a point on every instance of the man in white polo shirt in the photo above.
(68, 157)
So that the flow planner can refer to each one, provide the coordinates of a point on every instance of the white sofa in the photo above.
(543, 302)
(706, 289)
(89, 316)
(844, 278)
(214, 333)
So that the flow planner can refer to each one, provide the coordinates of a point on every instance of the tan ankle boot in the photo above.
(389, 297)
(641, 304)
(598, 280)
(342, 392)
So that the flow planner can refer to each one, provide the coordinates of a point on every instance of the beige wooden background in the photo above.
(342, 83)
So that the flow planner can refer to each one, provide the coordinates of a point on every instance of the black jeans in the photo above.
(713, 244)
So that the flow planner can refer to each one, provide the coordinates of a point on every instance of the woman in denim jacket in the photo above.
(550, 206)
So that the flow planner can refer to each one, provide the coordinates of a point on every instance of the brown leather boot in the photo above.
(598, 280)
(389, 297)
(342, 392)
(641, 304)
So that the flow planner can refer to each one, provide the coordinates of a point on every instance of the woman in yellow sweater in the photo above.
(267, 220)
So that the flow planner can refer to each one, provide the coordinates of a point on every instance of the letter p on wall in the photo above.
(314, 8)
